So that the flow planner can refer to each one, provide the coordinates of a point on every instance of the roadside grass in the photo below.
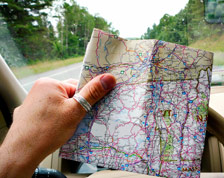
(215, 44)
(44, 66)
(218, 59)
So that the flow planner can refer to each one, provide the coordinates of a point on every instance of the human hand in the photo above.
(45, 121)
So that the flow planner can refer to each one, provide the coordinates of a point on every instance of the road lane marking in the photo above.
(52, 75)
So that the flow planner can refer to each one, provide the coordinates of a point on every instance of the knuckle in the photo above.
(94, 92)
(44, 81)
(40, 81)
(16, 110)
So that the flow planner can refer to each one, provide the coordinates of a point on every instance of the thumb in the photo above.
(98, 87)
(93, 91)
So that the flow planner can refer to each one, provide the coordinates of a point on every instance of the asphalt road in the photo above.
(73, 71)
(63, 73)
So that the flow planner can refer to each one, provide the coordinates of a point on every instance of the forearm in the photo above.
(16, 158)
(12, 166)
(47, 118)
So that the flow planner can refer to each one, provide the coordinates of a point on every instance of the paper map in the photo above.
(154, 121)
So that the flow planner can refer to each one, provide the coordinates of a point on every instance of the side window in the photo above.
(46, 38)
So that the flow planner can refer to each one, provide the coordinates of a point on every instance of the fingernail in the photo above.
(108, 81)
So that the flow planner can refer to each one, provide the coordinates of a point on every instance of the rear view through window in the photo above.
(49, 37)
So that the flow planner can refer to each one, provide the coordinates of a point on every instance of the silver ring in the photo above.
(83, 102)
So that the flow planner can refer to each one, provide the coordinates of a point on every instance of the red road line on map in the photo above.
(128, 50)
(97, 46)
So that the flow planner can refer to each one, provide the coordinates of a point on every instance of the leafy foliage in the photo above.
(25, 21)
(184, 28)
(37, 37)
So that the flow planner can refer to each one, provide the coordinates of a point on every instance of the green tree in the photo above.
(37, 38)
(75, 28)
(186, 27)
(25, 20)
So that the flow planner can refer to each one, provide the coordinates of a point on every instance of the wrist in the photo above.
(16, 160)
(12, 165)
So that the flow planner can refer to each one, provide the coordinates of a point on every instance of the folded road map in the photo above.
(154, 121)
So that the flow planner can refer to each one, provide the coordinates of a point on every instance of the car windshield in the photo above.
(48, 38)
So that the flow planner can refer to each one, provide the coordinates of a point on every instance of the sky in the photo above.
(132, 17)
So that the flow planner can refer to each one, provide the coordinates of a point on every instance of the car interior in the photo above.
(12, 94)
